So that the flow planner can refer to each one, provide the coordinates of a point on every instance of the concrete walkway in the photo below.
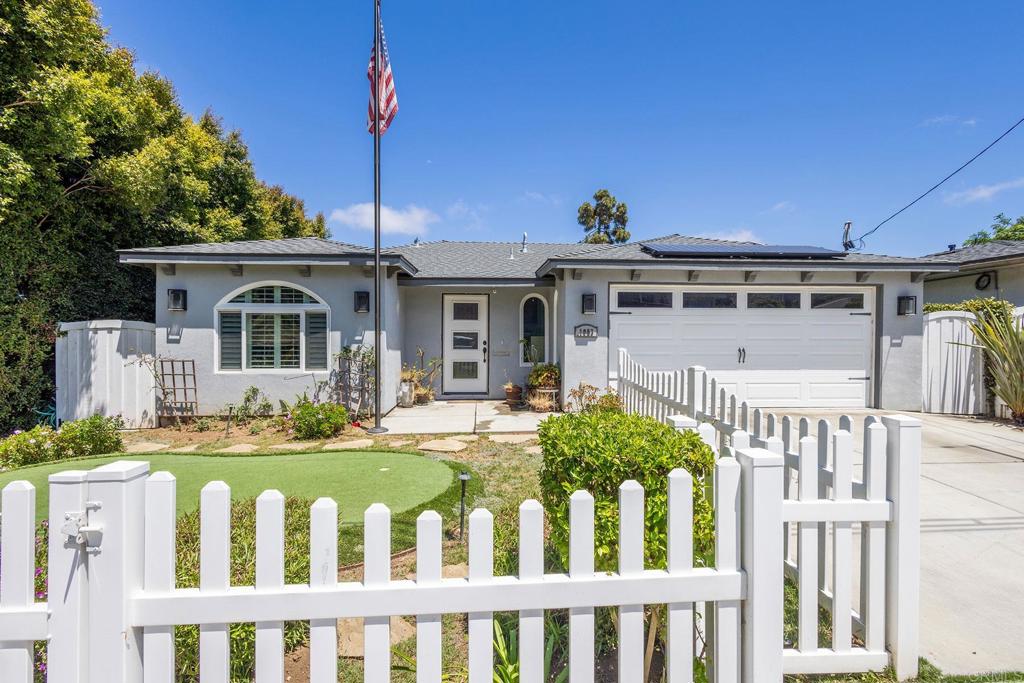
(972, 542)
(461, 417)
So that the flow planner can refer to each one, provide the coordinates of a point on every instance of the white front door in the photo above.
(465, 344)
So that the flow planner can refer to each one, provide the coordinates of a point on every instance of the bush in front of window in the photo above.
(94, 435)
(317, 420)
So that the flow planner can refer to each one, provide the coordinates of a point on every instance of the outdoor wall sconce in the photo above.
(906, 305)
(590, 303)
(177, 300)
(362, 302)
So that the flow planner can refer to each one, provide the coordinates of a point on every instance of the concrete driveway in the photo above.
(972, 542)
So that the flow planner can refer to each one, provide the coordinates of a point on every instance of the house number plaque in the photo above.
(585, 331)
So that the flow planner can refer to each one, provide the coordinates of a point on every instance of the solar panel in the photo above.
(739, 251)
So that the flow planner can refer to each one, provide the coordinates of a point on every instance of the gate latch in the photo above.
(76, 527)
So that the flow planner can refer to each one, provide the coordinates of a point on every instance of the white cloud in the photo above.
(412, 220)
(948, 120)
(541, 198)
(981, 193)
(785, 206)
(471, 215)
(738, 235)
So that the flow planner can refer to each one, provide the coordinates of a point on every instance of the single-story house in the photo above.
(779, 326)
(993, 269)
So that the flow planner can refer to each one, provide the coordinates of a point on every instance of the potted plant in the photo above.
(544, 382)
(409, 380)
(513, 394)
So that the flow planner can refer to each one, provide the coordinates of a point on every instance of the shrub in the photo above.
(598, 450)
(94, 435)
(1002, 340)
(243, 573)
(254, 403)
(317, 420)
(584, 397)
(203, 424)
(547, 375)
(980, 305)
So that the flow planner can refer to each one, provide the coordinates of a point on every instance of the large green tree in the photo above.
(95, 157)
(1002, 228)
(604, 221)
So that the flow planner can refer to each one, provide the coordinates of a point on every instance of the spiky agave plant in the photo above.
(1002, 340)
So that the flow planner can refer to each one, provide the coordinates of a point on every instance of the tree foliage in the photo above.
(96, 157)
(604, 221)
(1002, 228)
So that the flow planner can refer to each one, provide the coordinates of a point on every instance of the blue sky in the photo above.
(776, 121)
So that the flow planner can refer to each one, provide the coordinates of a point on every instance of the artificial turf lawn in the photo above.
(355, 480)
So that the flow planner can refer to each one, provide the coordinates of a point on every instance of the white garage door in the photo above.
(771, 346)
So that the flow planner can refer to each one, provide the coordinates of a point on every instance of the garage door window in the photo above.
(709, 300)
(645, 299)
(837, 300)
(773, 300)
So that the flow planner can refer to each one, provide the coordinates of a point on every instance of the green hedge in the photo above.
(980, 305)
(598, 450)
(94, 435)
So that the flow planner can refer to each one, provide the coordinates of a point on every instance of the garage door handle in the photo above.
(860, 314)
(620, 312)
(855, 378)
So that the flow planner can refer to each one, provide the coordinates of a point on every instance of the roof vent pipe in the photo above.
(952, 247)
(511, 253)
(523, 250)
(416, 242)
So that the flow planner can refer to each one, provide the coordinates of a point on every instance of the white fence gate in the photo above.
(98, 372)
(953, 376)
(824, 504)
(112, 603)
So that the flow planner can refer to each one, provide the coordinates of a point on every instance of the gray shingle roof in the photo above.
(987, 251)
(491, 260)
(292, 246)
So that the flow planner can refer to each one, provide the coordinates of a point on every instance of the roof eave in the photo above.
(743, 264)
(156, 258)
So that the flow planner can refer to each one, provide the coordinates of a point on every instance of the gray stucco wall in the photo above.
(422, 317)
(897, 354)
(1007, 283)
(191, 335)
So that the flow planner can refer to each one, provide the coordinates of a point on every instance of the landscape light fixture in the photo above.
(177, 300)
(463, 478)
(590, 303)
(362, 302)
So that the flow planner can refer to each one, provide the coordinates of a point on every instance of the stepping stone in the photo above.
(350, 635)
(145, 447)
(399, 443)
(443, 446)
(348, 445)
(296, 446)
(534, 450)
(512, 438)
(238, 448)
(185, 449)
(466, 437)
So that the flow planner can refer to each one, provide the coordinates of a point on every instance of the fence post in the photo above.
(682, 422)
(695, 390)
(903, 543)
(116, 504)
(17, 573)
(761, 559)
(66, 583)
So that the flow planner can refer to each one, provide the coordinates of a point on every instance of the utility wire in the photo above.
(938, 184)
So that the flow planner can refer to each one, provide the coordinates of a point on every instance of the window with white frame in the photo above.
(533, 315)
(272, 326)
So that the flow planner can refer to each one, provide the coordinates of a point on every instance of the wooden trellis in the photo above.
(178, 388)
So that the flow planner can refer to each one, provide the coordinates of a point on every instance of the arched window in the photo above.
(272, 326)
(533, 314)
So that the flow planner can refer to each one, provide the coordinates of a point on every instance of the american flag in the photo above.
(388, 97)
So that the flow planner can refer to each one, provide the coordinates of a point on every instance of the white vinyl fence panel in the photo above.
(98, 371)
(954, 375)
(825, 498)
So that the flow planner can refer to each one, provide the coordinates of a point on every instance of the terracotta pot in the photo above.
(514, 395)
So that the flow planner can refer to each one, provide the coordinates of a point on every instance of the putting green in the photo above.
(354, 480)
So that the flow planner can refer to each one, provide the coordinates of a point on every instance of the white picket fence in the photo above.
(112, 603)
(824, 503)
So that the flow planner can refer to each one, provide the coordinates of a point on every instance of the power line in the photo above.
(939, 184)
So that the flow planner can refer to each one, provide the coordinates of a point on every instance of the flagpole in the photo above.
(377, 428)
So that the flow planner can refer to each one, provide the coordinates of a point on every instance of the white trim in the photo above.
(225, 306)
(547, 329)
